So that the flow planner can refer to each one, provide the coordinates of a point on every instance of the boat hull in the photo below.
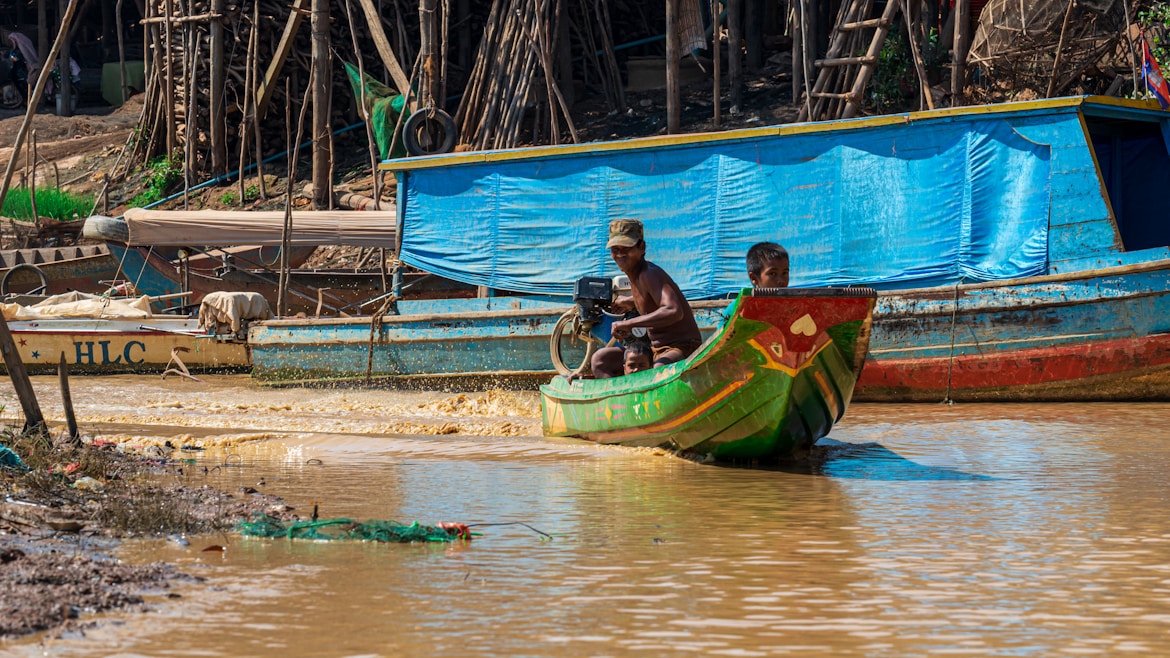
(1095, 335)
(775, 379)
(97, 346)
(501, 341)
(65, 269)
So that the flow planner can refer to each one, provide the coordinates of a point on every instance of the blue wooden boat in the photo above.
(1020, 250)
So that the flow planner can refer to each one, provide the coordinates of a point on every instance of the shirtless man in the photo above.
(661, 307)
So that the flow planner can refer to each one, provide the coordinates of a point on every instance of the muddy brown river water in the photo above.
(1021, 530)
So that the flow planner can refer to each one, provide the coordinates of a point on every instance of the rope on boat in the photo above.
(951, 359)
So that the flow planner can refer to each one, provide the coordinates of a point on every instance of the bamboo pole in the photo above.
(65, 93)
(919, 65)
(253, 35)
(42, 31)
(734, 53)
(322, 139)
(1059, 48)
(798, 72)
(169, 86)
(296, 15)
(429, 44)
(959, 55)
(374, 22)
(252, 107)
(121, 50)
(215, 115)
(363, 109)
(32, 177)
(42, 79)
(716, 45)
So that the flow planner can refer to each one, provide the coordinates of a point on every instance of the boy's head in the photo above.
(638, 357)
(767, 264)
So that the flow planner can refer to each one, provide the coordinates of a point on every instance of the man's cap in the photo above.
(624, 233)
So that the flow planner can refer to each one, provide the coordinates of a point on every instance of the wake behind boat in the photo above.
(773, 379)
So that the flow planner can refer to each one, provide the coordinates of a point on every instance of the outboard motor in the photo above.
(592, 295)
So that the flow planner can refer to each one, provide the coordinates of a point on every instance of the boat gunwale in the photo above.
(453, 316)
(1080, 104)
(708, 348)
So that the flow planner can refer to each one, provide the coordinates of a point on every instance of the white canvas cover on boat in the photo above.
(177, 228)
(79, 305)
(232, 308)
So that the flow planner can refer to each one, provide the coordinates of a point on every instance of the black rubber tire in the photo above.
(429, 132)
(25, 266)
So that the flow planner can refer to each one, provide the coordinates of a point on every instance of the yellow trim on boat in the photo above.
(478, 157)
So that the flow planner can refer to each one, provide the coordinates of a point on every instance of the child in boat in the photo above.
(615, 362)
(638, 357)
(767, 265)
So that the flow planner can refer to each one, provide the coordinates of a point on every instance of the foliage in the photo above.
(51, 202)
(894, 82)
(158, 176)
(894, 85)
(229, 198)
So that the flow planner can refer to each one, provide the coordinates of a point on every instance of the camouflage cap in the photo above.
(624, 233)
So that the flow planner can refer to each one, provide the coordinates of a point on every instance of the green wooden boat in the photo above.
(773, 379)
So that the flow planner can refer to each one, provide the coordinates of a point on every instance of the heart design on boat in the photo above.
(805, 326)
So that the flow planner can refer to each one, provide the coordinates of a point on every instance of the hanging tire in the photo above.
(556, 345)
(429, 132)
(25, 266)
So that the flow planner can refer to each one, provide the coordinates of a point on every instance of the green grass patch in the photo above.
(51, 202)
(157, 177)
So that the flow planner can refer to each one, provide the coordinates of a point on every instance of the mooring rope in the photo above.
(951, 360)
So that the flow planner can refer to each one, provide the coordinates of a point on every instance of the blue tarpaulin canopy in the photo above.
(896, 205)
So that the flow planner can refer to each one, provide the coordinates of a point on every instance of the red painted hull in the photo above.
(1124, 369)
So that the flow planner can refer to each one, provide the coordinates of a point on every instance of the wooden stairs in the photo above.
(842, 75)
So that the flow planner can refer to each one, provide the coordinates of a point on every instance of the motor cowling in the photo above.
(592, 295)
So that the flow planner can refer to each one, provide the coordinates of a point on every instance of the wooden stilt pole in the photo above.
(716, 46)
(322, 138)
(67, 401)
(673, 113)
(33, 419)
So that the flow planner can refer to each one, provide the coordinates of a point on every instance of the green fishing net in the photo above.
(262, 525)
(384, 106)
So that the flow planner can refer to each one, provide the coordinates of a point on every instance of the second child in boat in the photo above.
(660, 305)
(767, 265)
(638, 357)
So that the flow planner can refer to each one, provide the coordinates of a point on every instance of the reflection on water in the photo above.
(873, 461)
(974, 529)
